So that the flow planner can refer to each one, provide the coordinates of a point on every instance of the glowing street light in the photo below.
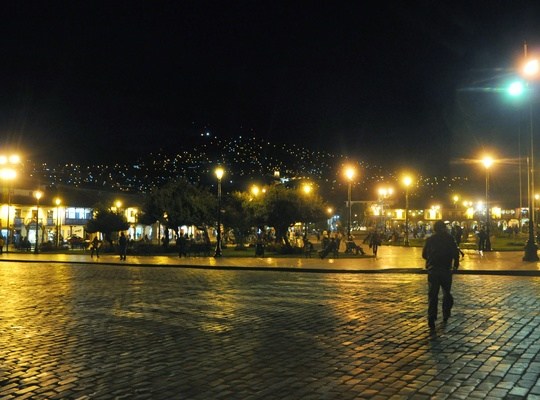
(530, 71)
(384, 193)
(57, 201)
(407, 181)
(219, 174)
(350, 173)
(455, 198)
(37, 194)
(307, 188)
(531, 68)
(488, 162)
(8, 174)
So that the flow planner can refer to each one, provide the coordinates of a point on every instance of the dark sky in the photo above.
(382, 81)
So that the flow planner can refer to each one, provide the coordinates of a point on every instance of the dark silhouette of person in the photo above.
(482, 240)
(181, 243)
(94, 247)
(122, 244)
(442, 258)
(374, 242)
(457, 232)
(331, 248)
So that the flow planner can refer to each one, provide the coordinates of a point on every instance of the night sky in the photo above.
(396, 83)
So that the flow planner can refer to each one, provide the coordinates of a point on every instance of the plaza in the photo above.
(201, 328)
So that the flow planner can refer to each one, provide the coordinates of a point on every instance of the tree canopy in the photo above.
(180, 203)
(106, 221)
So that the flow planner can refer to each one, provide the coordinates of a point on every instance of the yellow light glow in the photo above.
(386, 191)
(487, 161)
(7, 174)
(350, 172)
(38, 194)
(11, 159)
(57, 201)
(219, 172)
(407, 180)
(456, 198)
(255, 190)
(306, 187)
(118, 204)
(531, 68)
(330, 210)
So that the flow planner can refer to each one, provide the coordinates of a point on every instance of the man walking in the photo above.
(442, 257)
(122, 243)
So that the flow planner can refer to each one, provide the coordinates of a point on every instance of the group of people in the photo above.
(95, 245)
(331, 245)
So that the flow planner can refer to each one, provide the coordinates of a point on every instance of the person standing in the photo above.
(457, 233)
(122, 243)
(374, 242)
(181, 243)
(482, 240)
(94, 247)
(442, 258)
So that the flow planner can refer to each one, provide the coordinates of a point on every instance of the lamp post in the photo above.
(8, 173)
(219, 174)
(37, 195)
(488, 162)
(349, 174)
(57, 202)
(384, 193)
(307, 188)
(330, 211)
(456, 199)
(407, 180)
(531, 70)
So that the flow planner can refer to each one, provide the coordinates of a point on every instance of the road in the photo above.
(102, 331)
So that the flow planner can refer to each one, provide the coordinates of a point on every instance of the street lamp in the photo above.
(384, 193)
(8, 173)
(37, 195)
(57, 202)
(530, 70)
(219, 174)
(456, 199)
(488, 162)
(306, 188)
(407, 180)
(349, 174)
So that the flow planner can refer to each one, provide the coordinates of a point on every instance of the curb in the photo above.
(412, 270)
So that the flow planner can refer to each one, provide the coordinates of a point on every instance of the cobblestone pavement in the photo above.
(75, 331)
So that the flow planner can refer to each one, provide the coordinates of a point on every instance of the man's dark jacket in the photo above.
(440, 251)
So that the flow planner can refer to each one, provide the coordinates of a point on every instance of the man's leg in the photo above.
(448, 299)
(433, 297)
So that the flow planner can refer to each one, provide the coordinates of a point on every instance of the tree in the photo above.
(106, 221)
(179, 203)
(239, 214)
(283, 207)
